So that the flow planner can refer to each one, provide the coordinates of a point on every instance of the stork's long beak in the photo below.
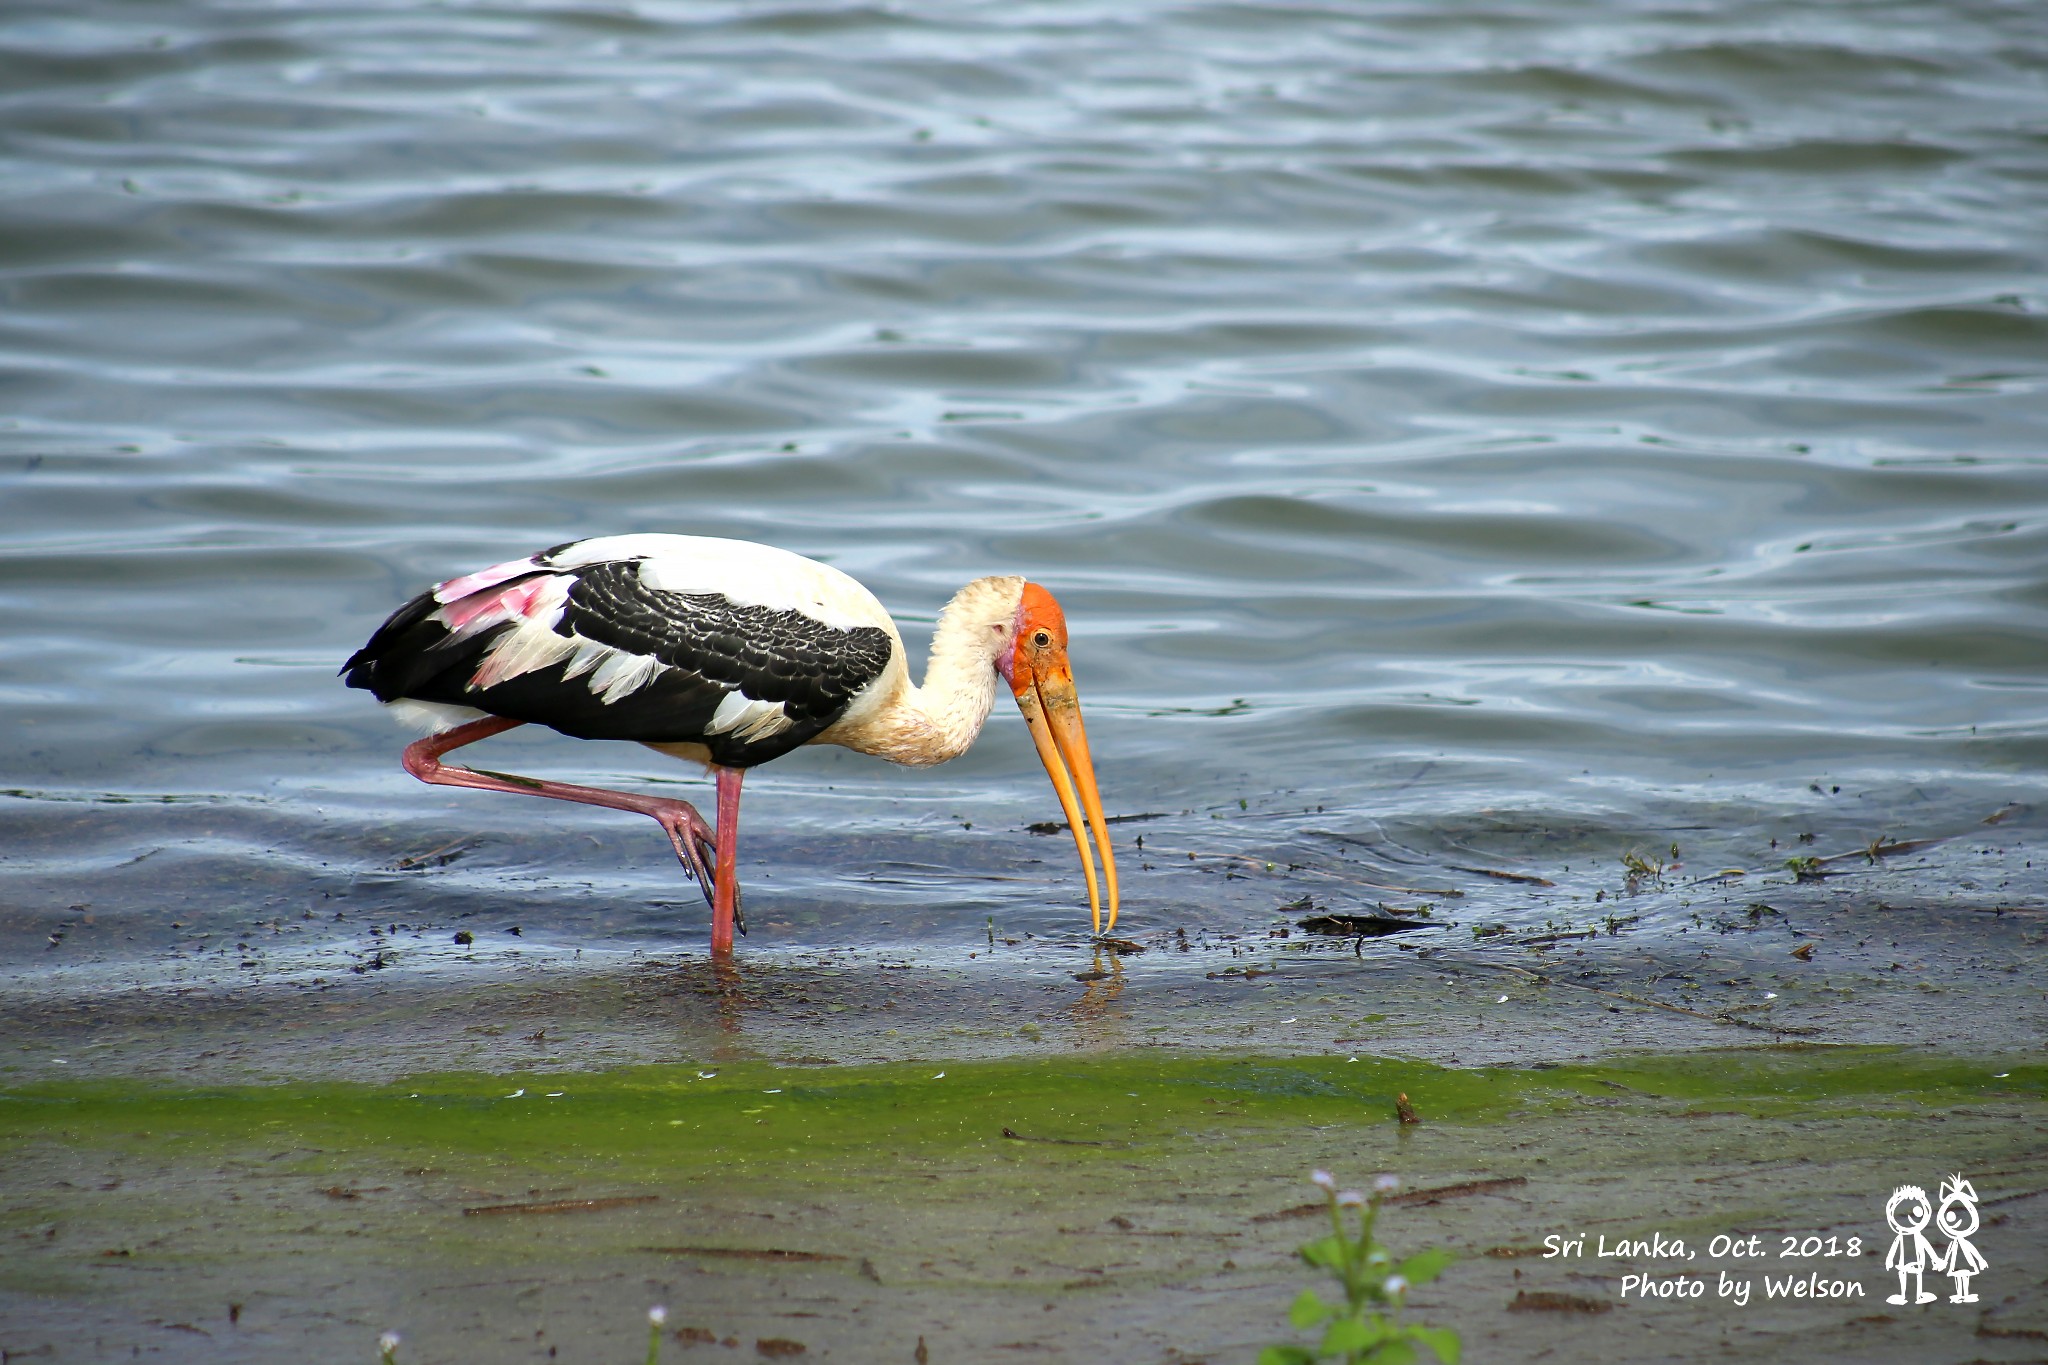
(1044, 686)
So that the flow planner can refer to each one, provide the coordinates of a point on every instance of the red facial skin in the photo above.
(1040, 677)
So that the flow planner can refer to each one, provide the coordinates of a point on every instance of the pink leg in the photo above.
(725, 903)
(679, 819)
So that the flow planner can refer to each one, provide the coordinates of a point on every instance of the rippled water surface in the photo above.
(1463, 436)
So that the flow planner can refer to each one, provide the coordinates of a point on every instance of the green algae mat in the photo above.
(1128, 1207)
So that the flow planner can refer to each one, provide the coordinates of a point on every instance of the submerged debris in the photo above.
(1365, 926)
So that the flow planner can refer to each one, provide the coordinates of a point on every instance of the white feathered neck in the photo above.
(906, 723)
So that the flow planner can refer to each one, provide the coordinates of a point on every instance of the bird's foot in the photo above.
(696, 847)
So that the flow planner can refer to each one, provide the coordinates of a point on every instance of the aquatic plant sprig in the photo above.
(1365, 1325)
(657, 1318)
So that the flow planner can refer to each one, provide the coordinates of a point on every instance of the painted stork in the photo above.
(728, 654)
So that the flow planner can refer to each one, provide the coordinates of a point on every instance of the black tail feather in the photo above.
(408, 655)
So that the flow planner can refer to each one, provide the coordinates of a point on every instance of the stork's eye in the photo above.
(1042, 639)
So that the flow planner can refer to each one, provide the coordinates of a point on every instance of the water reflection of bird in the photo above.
(728, 654)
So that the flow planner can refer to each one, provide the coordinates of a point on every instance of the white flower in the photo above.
(387, 1343)
(1322, 1179)
(1386, 1184)
(1396, 1286)
(1351, 1199)
(657, 1315)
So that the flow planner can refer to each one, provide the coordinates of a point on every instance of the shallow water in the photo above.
(1503, 438)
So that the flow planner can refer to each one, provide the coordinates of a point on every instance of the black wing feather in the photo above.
(772, 655)
(712, 648)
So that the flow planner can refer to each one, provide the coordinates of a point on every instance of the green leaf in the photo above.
(1395, 1352)
(1286, 1355)
(1308, 1310)
(1324, 1253)
(1425, 1266)
(1350, 1334)
(1441, 1340)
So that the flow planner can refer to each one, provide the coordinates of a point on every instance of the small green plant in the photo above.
(1365, 1324)
(387, 1348)
(1641, 867)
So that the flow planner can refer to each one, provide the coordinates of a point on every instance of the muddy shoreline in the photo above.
(1115, 1206)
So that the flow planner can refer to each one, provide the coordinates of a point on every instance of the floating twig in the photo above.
(1362, 926)
(1411, 1197)
(618, 1201)
(1527, 879)
(1465, 1187)
(1014, 1136)
(435, 857)
(1550, 1301)
(1061, 826)
(746, 1253)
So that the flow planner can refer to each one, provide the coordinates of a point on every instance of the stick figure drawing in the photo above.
(1958, 1222)
(1909, 1212)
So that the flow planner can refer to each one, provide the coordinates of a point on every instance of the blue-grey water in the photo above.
(1495, 436)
